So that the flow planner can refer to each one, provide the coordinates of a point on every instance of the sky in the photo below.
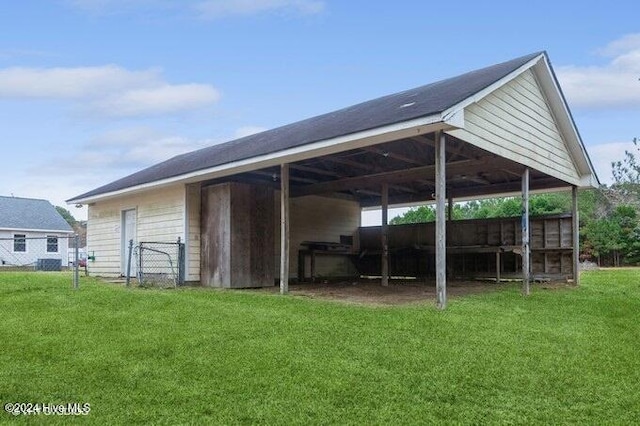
(94, 90)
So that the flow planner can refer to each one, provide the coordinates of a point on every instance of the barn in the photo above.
(286, 203)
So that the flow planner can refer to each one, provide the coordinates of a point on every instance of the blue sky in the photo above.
(92, 90)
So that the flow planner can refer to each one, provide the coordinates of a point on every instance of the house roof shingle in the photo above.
(33, 214)
(410, 104)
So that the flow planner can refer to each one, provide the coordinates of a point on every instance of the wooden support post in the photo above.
(526, 248)
(441, 226)
(385, 235)
(284, 229)
(449, 209)
(576, 235)
(498, 266)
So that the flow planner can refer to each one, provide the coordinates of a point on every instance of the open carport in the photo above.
(278, 197)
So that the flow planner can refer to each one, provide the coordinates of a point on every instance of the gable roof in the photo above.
(30, 214)
(424, 101)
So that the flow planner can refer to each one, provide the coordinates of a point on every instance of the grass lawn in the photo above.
(241, 357)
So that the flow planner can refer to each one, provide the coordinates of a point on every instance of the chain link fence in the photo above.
(157, 263)
(50, 253)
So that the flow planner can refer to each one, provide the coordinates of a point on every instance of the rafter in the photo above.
(391, 154)
(376, 179)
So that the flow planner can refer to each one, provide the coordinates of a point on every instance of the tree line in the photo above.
(609, 215)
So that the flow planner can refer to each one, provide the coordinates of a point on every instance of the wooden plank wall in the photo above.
(237, 241)
(472, 245)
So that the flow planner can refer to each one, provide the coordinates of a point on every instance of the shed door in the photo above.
(128, 233)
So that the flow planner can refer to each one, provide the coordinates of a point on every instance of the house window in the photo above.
(19, 243)
(52, 244)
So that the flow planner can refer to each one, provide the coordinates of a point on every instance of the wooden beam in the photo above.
(575, 222)
(441, 226)
(455, 151)
(376, 179)
(385, 235)
(350, 163)
(526, 252)
(291, 178)
(363, 166)
(472, 191)
(391, 154)
(515, 186)
(315, 170)
(284, 229)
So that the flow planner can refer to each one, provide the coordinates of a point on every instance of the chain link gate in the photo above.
(158, 263)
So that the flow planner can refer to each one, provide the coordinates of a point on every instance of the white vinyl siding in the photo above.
(315, 218)
(192, 248)
(160, 217)
(515, 122)
(36, 247)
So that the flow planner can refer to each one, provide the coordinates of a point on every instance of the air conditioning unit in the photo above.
(49, 265)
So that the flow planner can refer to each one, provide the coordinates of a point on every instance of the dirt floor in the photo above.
(371, 292)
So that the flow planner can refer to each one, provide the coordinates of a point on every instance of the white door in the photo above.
(128, 233)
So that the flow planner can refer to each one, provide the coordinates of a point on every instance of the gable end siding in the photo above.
(516, 122)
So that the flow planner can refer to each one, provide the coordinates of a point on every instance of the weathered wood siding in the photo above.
(315, 218)
(472, 247)
(159, 217)
(516, 122)
(237, 239)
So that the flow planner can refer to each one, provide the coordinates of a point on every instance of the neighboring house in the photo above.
(31, 230)
(244, 208)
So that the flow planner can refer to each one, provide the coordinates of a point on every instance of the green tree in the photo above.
(415, 215)
(627, 170)
(66, 214)
(626, 176)
(492, 208)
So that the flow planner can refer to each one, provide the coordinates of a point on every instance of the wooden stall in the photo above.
(237, 245)
(475, 248)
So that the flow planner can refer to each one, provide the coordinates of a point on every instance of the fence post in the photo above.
(76, 262)
(181, 259)
(129, 262)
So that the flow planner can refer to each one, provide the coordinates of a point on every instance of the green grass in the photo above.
(564, 356)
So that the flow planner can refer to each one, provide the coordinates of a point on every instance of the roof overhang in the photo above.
(416, 127)
(50, 231)
(333, 166)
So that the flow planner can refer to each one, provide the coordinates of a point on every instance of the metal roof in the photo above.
(410, 104)
(30, 214)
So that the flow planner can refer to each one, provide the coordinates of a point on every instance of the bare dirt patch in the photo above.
(371, 292)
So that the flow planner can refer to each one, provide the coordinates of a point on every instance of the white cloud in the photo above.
(109, 89)
(100, 160)
(71, 83)
(158, 100)
(620, 46)
(129, 149)
(212, 9)
(613, 85)
(602, 155)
